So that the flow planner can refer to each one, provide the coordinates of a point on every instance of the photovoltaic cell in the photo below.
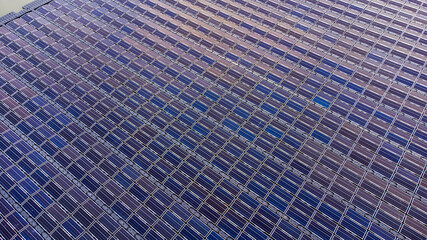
(212, 119)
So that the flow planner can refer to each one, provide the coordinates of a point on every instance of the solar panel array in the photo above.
(214, 119)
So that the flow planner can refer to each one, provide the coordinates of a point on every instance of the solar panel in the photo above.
(214, 119)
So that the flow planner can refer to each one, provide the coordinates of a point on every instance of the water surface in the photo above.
(7, 6)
